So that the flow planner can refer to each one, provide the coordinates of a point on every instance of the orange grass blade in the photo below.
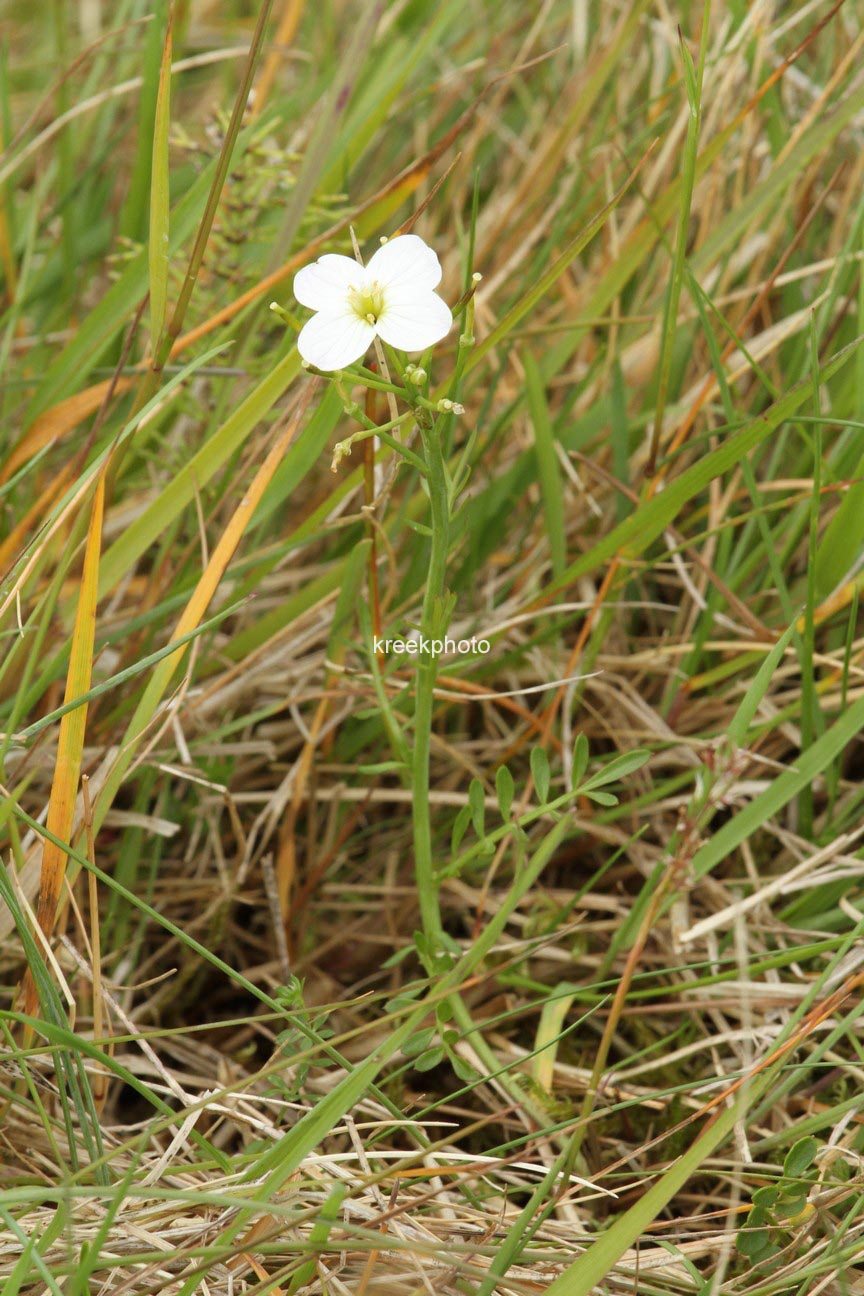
(67, 770)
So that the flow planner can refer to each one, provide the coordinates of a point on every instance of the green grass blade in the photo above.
(160, 202)
(548, 468)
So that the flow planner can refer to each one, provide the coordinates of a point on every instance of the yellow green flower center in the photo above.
(367, 301)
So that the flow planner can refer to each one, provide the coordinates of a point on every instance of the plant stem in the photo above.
(431, 626)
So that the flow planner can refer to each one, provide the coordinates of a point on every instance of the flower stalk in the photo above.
(434, 619)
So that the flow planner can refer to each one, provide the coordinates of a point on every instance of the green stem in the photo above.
(434, 621)
(427, 670)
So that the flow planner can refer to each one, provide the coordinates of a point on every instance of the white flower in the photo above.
(392, 297)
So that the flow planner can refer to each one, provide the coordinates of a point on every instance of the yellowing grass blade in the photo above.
(552, 1018)
(67, 770)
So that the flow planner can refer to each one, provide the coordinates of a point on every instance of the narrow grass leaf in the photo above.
(749, 705)
(548, 468)
(57, 421)
(114, 310)
(810, 765)
(157, 248)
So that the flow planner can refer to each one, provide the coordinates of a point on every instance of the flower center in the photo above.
(367, 301)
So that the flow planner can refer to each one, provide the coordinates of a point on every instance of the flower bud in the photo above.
(341, 450)
(280, 312)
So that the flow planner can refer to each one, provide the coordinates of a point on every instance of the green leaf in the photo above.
(749, 705)
(690, 79)
(460, 827)
(693, 81)
(800, 1157)
(602, 798)
(592, 1266)
(114, 681)
(464, 1070)
(431, 1058)
(306, 452)
(505, 789)
(753, 1242)
(619, 767)
(405, 999)
(182, 489)
(318, 1236)
(477, 806)
(540, 773)
(444, 1012)
(381, 767)
(580, 759)
(787, 1207)
(419, 1043)
(114, 309)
